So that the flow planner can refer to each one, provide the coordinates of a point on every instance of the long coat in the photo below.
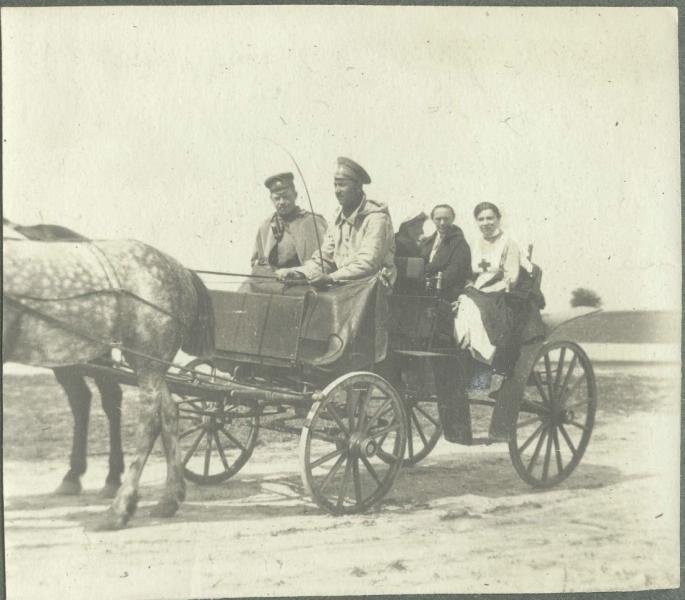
(452, 259)
(303, 229)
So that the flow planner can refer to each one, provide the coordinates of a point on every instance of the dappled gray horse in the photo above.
(67, 303)
(79, 395)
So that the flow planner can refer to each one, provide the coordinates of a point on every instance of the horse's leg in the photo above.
(79, 397)
(110, 394)
(149, 424)
(175, 491)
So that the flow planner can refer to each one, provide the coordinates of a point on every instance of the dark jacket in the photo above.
(405, 246)
(453, 259)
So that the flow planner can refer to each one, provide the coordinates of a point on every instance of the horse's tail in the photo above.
(201, 340)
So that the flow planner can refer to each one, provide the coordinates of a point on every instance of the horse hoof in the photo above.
(112, 521)
(164, 509)
(109, 490)
(68, 487)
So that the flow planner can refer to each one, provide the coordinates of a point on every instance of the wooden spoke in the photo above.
(233, 439)
(566, 437)
(536, 453)
(220, 450)
(569, 391)
(578, 425)
(557, 451)
(560, 369)
(370, 469)
(357, 481)
(539, 386)
(343, 487)
(410, 444)
(192, 449)
(384, 430)
(548, 376)
(568, 376)
(187, 432)
(548, 456)
(208, 454)
(361, 408)
(432, 419)
(577, 404)
(332, 472)
(330, 409)
(385, 407)
(326, 458)
(526, 422)
(418, 428)
(531, 438)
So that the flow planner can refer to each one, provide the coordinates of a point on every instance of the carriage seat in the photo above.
(411, 275)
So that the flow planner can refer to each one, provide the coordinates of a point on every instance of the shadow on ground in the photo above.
(282, 495)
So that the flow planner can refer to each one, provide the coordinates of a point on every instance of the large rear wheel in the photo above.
(556, 415)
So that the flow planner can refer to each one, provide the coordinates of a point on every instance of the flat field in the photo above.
(459, 521)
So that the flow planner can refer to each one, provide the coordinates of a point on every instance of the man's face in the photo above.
(284, 201)
(348, 192)
(442, 218)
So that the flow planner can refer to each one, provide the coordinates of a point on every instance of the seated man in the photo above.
(291, 235)
(447, 253)
(360, 241)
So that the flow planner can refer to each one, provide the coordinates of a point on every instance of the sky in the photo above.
(161, 124)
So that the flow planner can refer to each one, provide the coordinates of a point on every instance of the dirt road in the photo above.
(461, 521)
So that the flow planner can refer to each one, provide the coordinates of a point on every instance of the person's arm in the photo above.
(458, 270)
(368, 260)
(312, 267)
(511, 266)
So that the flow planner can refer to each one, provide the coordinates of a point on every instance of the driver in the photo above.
(360, 241)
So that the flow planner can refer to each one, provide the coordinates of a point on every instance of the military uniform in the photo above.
(358, 245)
(286, 240)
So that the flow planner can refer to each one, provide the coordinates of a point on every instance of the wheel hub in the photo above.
(359, 446)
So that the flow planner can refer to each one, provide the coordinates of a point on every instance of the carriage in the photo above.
(367, 380)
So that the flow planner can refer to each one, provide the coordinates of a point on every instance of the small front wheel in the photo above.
(216, 438)
(360, 418)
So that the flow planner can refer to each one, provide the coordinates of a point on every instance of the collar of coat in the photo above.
(453, 232)
(365, 208)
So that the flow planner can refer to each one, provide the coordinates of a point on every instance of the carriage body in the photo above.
(367, 380)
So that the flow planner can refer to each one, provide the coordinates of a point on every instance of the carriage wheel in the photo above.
(360, 416)
(425, 428)
(215, 437)
(556, 415)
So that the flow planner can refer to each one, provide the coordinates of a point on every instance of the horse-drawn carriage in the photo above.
(366, 380)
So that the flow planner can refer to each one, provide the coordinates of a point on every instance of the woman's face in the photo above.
(488, 222)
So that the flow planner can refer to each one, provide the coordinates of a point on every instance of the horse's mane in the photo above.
(45, 233)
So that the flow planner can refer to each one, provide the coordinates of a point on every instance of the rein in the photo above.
(70, 328)
(16, 298)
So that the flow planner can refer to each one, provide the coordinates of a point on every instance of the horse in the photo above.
(79, 394)
(68, 303)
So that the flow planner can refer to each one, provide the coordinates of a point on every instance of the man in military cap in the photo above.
(359, 243)
(289, 237)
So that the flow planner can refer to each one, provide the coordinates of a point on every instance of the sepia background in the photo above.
(161, 124)
(156, 124)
